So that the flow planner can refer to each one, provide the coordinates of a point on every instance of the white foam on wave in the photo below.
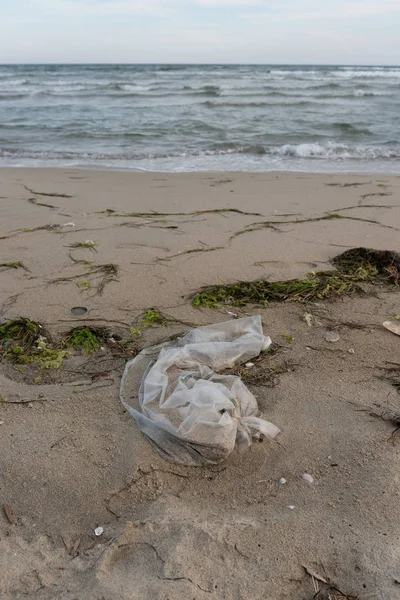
(335, 151)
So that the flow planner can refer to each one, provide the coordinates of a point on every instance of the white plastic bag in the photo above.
(192, 414)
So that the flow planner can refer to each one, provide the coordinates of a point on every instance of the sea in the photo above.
(201, 117)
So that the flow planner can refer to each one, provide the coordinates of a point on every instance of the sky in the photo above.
(200, 31)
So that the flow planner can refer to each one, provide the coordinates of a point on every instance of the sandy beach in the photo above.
(72, 459)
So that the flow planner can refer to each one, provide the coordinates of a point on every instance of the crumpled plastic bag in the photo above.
(192, 414)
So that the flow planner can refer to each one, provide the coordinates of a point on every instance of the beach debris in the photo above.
(8, 511)
(328, 590)
(351, 350)
(98, 531)
(288, 337)
(1, 422)
(307, 478)
(249, 365)
(191, 412)
(309, 319)
(353, 267)
(153, 318)
(91, 244)
(13, 265)
(135, 331)
(51, 195)
(393, 326)
(68, 225)
(282, 481)
(106, 273)
(389, 414)
(315, 575)
(291, 507)
(369, 264)
(87, 339)
(79, 311)
(26, 342)
(332, 336)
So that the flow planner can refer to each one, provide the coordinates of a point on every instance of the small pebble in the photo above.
(98, 531)
(306, 477)
(291, 507)
(1, 422)
(282, 481)
(249, 365)
(350, 350)
(332, 336)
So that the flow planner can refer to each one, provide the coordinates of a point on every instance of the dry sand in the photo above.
(72, 459)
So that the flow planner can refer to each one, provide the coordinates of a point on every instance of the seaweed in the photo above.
(153, 318)
(52, 195)
(353, 267)
(135, 331)
(196, 213)
(382, 265)
(24, 342)
(48, 227)
(83, 285)
(107, 274)
(37, 203)
(22, 330)
(192, 251)
(261, 374)
(13, 265)
(90, 244)
(316, 286)
(87, 339)
(327, 217)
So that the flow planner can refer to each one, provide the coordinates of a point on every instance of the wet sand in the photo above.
(72, 459)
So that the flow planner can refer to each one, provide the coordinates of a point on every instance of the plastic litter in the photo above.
(307, 478)
(192, 414)
(98, 531)
(282, 481)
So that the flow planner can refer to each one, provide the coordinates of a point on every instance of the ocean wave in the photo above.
(261, 104)
(7, 97)
(335, 151)
(364, 74)
(332, 151)
(351, 129)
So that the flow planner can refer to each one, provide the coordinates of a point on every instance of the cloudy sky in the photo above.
(185, 31)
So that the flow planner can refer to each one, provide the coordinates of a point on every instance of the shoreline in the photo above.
(90, 169)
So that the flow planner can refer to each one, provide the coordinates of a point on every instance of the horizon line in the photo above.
(183, 64)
